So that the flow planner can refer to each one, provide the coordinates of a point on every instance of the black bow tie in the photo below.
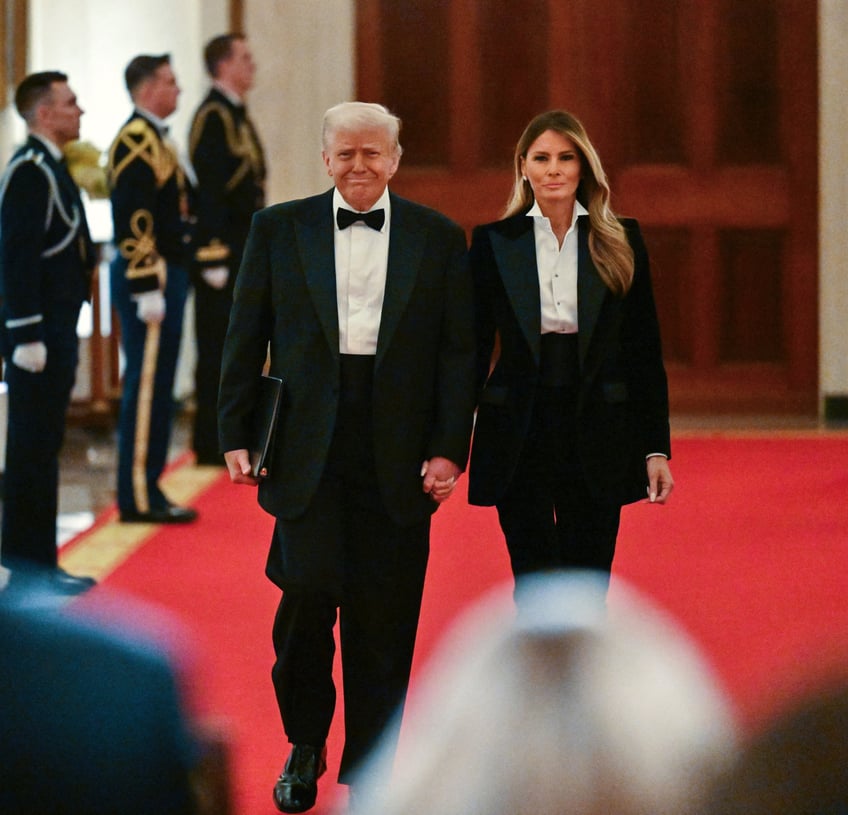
(375, 219)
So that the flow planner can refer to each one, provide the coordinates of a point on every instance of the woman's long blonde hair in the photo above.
(611, 253)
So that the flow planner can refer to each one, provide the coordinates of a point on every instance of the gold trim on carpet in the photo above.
(101, 551)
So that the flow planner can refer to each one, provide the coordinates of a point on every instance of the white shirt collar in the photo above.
(231, 95)
(536, 212)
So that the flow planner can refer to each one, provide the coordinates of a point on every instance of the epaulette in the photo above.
(72, 219)
(199, 123)
(142, 143)
(139, 126)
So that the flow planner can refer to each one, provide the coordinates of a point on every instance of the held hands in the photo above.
(150, 306)
(238, 465)
(216, 276)
(30, 356)
(440, 476)
(660, 482)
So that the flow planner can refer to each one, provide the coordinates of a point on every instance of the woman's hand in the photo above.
(660, 482)
(440, 475)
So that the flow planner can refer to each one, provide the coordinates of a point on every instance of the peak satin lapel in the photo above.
(515, 255)
(315, 246)
(591, 291)
(406, 253)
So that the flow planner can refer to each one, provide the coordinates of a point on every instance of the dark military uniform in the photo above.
(228, 161)
(46, 261)
(151, 221)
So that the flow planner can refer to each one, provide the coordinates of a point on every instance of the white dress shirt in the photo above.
(557, 269)
(362, 256)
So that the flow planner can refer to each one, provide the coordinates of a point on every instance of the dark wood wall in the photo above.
(705, 116)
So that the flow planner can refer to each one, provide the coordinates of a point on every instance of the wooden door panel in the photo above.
(704, 113)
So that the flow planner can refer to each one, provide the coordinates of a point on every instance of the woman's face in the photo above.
(552, 166)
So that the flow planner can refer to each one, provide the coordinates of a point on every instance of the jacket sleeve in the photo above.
(481, 263)
(456, 394)
(22, 229)
(246, 344)
(641, 340)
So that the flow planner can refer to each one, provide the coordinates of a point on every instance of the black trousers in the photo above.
(381, 571)
(549, 516)
(137, 495)
(36, 427)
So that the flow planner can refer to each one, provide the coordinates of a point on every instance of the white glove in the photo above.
(31, 356)
(150, 306)
(216, 276)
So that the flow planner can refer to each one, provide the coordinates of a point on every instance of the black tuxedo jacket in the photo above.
(46, 253)
(423, 393)
(622, 410)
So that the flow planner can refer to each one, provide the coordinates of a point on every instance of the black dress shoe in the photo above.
(297, 787)
(168, 515)
(64, 583)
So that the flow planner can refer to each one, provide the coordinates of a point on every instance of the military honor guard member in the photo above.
(149, 278)
(46, 264)
(229, 165)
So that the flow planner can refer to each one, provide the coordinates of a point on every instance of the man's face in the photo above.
(238, 70)
(361, 162)
(61, 114)
(162, 92)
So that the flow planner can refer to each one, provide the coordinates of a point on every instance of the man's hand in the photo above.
(238, 464)
(30, 356)
(216, 276)
(660, 482)
(150, 306)
(440, 475)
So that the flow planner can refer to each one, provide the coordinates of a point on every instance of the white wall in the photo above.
(304, 52)
(93, 40)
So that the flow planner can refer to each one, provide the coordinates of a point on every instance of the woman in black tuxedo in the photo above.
(572, 417)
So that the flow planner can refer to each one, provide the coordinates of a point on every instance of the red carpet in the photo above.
(750, 556)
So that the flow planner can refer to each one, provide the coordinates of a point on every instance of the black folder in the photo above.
(266, 417)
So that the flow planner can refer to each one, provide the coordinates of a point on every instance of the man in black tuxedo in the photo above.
(46, 264)
(229, 165)
(365, 300)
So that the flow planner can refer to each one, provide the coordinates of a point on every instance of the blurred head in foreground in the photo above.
(796, 765)
(93, 718)
(557, 708)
